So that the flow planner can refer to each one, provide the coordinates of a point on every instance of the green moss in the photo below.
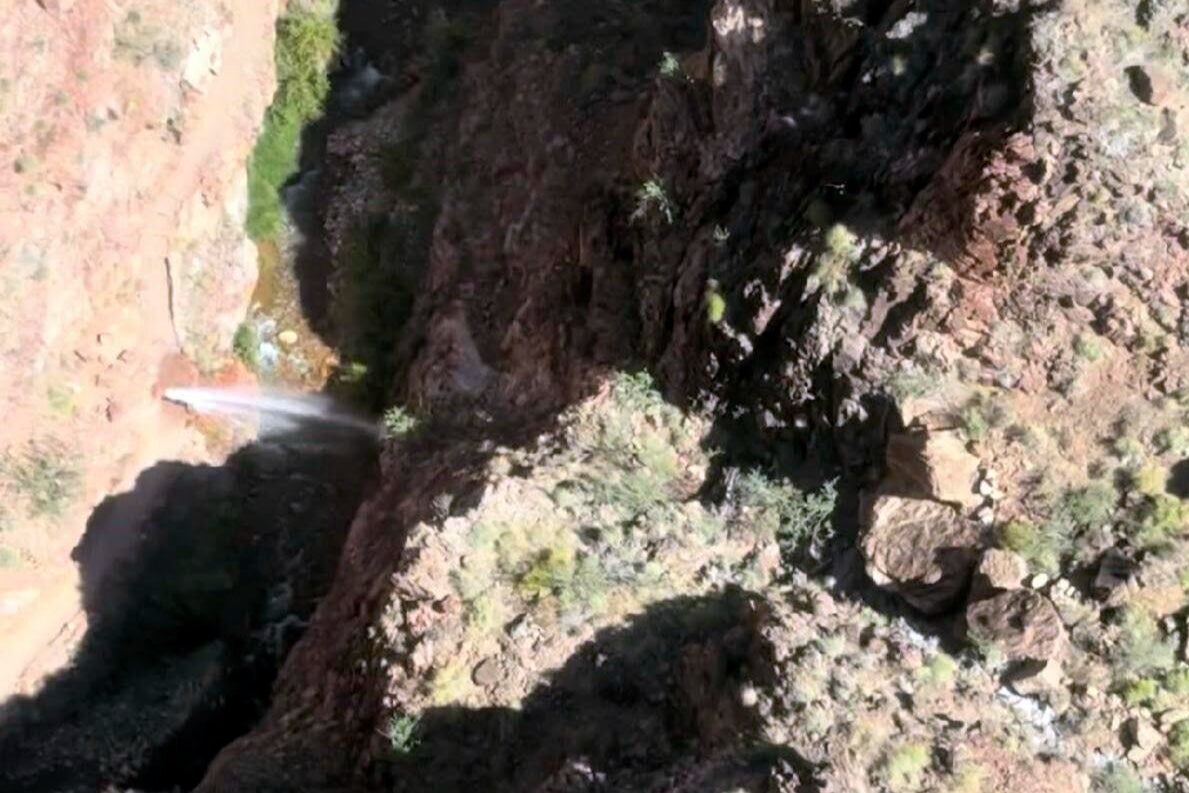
(716, 305)
(306, 42)
(1087, 346)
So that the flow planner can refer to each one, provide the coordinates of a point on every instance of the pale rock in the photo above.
(1000, 569)
(931, 464)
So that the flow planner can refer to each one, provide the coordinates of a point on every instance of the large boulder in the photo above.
(922, 550)
(1022, 624)
(931, 464)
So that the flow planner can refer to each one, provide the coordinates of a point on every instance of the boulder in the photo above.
(1021, 623)
(933, 465)
(999, 570)
(922, 550)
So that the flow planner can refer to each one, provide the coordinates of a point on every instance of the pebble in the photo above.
(486, 673)
(1039, 580)
(287, 337)
(986, 516)
(748, 696)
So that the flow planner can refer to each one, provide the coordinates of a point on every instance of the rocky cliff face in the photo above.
(124, 131)
(935, 250)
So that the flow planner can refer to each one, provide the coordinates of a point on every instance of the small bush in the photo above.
(44, 476)
(402, 733)
(904, 766)
(1158, 522)
(397, 422)
(1143, 649)
(716, 304)
(1173, 440)
(1087, 347)
(1178, 745)
(1118, 778)
(831, 272)
(652, 195)
(1140, 692)
(669, 65)
(246, 345)
(778, 509)
(938, 670)
(1040, 548)
(1148, 480)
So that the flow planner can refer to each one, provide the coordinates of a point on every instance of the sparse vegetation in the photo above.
(716, 304)
(1086, 345)
(1040, 548)
(401, 733)
(137, 40)
(1118, 778)
(1173, 440)
(1158, 521)
(397, 422)
(44, 476)
(652, 196)
(1143, 648)
(831, 273)
(777, 509)
(1178, 744)
(938, 670)
(306, 41)
(669, 65)
(904, 766)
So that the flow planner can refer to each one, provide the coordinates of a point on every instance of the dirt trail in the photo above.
(40, 612)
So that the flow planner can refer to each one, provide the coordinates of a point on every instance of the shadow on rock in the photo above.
(195, 584)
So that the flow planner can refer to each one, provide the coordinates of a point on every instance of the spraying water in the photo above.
(273, 410)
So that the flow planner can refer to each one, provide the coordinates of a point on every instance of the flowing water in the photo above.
(273, 411)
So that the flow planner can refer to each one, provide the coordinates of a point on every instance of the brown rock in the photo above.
(933, 465)
(1142, 738)
(487, 673)
(1022, 624)
(922, 550)
(999, 570)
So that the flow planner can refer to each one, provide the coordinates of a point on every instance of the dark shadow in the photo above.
(1178, 479)
(195, 585)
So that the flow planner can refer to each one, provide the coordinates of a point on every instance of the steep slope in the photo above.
(936, 250)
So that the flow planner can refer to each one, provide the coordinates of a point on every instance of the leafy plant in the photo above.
(652, 195)
(831, 273)
(1158, 521)
(904, 766)
(401, 733)
(1173, 440)
(1143, 649)
(669, 65)
(246, 345)
(798, 520)
(397, 422)
(1118, 778)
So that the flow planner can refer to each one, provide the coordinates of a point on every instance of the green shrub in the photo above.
(1140, 692)
(1158, 522)
(669, 65)
(938, 670)
(1087, 346)
(1148, 480)
(1143, 649)
(1118, 778)
(652, 195)
(1173, 440)
(397, 422)
(401, 733)
(1178, 745)
(1039, 547)
(904, 766)
(778, 509)
(716, 304)
(45, 476)
(1087, 507)
(306, 42)
(831, 272)
(246, 345)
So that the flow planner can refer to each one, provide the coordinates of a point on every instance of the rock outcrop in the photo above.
(922, 550)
